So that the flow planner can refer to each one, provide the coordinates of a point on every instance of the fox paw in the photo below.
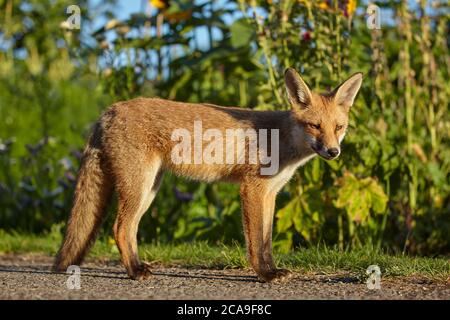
(142, 272)
(276, 276)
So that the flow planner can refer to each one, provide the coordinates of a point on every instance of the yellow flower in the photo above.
(159, 4)
(351, 7)
(111, 241)
(323, 5)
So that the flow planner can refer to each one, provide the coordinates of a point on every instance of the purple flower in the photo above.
(63, 183)
(77, 154)
(182, 196)
(69, 176)
(35, 149)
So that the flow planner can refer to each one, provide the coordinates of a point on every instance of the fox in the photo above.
(130, 149)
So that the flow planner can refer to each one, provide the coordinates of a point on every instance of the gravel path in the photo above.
(29, 277)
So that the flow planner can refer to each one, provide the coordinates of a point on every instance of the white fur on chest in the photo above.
(285, 174)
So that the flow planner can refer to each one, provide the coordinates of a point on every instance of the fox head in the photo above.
(323, 118)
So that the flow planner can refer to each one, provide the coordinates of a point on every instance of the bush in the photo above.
(389, 188)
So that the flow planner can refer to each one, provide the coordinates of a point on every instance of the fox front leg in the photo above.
(257, 215)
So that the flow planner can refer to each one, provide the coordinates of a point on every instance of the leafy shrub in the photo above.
(389, 188)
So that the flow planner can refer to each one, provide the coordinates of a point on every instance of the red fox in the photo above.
(133, 144)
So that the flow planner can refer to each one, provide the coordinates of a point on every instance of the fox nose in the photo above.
(333, 152)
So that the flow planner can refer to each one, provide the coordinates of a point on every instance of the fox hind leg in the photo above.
(135, 194)
(92, 194)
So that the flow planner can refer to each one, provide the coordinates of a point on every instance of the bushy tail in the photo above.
(92, 194)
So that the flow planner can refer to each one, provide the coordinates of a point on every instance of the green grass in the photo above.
(203, 255)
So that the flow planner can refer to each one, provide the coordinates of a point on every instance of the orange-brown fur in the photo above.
(130, 150)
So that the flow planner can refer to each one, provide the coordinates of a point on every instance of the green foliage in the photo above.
(242, 33)
(390, 187)
(359, 197)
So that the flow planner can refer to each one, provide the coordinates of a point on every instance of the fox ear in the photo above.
(298, 92)
(345, 94)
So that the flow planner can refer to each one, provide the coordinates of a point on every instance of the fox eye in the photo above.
(339, 127)
(315, 126)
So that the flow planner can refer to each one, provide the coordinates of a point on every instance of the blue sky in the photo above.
(131, 6)
(128, 7)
